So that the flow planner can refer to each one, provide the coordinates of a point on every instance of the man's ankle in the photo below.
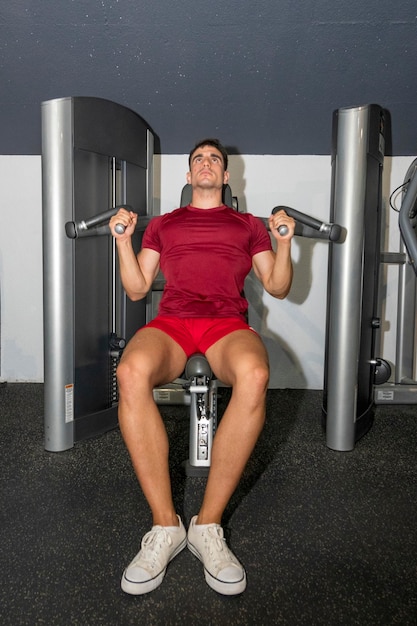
(203, 520)
(166, 520)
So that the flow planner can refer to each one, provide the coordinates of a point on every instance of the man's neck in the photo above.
(206, 198)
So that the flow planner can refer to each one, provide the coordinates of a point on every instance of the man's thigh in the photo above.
(154, 352)
(236, 354)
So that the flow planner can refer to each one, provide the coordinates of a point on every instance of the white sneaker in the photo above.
(159, 546)
(222, 570)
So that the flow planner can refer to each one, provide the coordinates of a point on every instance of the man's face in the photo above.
(207, 168)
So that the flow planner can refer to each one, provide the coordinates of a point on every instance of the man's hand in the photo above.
(128, 219)
(281, 219)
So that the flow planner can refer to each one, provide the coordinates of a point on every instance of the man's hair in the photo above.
(210, 142)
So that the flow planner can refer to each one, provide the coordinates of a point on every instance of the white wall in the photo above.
(21, 332)
(293, 330)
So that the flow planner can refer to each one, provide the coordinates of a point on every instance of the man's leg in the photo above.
(151, 358)
(240, 360)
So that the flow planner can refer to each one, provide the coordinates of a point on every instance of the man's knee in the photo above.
(253, 376)
(133, 371)
(148, 368)
(260, 376)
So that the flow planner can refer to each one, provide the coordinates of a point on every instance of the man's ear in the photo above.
(226, 177)
(188, 177)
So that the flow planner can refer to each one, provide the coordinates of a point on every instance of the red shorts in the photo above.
(197, 334)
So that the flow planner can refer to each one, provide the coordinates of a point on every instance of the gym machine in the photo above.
(96, 154)
(403, 389)
(352, 305)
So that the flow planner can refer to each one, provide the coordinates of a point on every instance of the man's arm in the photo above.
(274, 269)
(137, 272)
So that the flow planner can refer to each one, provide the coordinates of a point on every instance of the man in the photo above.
(205, 251)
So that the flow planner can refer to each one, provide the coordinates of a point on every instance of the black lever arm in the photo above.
(333, 232)
(74, 229)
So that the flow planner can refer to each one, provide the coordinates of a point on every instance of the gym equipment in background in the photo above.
(352, 306)
(95, 154)
(403, 388)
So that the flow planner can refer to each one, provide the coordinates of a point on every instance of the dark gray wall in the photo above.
(264, 75)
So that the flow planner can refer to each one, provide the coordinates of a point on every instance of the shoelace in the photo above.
(152, 545)
(217, 547)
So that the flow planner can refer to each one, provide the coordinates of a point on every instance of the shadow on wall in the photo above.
(237, 180)
(286, 369)
(288, 365)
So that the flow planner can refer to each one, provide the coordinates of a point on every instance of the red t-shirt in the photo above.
(206, 255)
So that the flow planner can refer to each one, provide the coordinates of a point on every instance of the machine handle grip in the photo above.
(73, 228)
(333, 231)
